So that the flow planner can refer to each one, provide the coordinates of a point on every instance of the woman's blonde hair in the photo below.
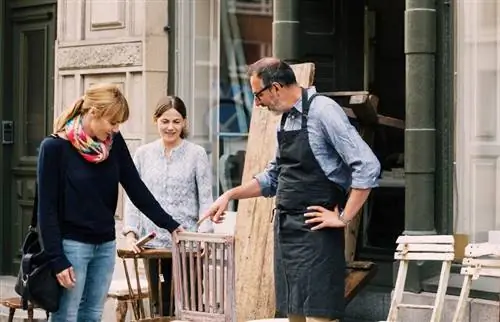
(107, 101)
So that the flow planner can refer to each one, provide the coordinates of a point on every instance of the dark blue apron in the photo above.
(309, 265)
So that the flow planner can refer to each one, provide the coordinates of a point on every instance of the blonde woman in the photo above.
(78, 175)
(178, 173)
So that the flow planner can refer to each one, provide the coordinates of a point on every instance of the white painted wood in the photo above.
(482, 249)
(474, 268)
(416, 306)
(462, 300)
(477, 105)
(441, 292)
(398, 291)
(476, 272)
(428, 239)
(435, 248)
(485, 262)
(425, 256)
(422, 248)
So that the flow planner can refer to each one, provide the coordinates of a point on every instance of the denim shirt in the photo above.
(340, 151)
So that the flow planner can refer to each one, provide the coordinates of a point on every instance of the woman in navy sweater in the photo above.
(78, 176)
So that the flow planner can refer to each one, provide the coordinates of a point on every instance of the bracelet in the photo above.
(342, 219)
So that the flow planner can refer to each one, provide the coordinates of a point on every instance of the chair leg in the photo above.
(12, 311)
(121, 311)
(30, 315)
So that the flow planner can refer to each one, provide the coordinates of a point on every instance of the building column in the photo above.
(420, 51)
(286, 30)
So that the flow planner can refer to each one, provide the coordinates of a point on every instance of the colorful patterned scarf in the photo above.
(91, 150)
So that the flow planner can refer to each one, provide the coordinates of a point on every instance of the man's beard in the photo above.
(275, 108)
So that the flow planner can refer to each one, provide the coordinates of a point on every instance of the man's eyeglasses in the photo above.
(259, 93)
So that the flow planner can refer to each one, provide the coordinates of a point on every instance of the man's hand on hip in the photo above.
(323, 218)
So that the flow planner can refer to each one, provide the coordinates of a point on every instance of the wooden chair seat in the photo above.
(15, 303)
(119, 290)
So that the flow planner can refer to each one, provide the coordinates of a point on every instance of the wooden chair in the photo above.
(422, 248)
(480, 260)
(13, 304)
(137, 288)
(204, 277)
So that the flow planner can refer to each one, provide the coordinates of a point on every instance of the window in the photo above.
(253, 7)
(242, 43)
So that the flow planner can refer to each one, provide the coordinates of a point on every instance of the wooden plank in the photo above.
(482, 249)
(358, 275)
(382, 120)
(485, 262)
(365, 108)
(433, 248)
(425, 256)
(147, 253)
(415, 306)
(254, 235)
(428, 239)
(360, 265)
(480, 271)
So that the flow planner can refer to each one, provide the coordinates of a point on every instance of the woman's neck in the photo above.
(169, 146)
(86, 125)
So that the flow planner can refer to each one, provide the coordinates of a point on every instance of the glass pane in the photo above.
(488, 15)
(35, 54)
(246, 31)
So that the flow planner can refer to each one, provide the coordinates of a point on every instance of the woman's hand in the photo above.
(67, 278)
(131, 243)
(175, 238)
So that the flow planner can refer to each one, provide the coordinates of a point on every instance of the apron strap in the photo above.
(306, 103)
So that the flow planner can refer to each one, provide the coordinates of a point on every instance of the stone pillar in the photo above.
(286, 30)
(420, 134)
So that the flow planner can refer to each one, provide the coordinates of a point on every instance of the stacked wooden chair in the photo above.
(480, 260)
(422, 248)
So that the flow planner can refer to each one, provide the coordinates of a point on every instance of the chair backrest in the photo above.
(430, 248)
(203, 267)
(481, 259)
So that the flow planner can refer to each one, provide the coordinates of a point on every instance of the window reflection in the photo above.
(246, 36)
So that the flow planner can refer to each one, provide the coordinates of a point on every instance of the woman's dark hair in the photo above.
(271, 70)
(167, 102)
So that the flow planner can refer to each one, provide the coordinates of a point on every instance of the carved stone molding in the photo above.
(100, 56)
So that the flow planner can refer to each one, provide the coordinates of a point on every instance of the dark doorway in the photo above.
(29, 31)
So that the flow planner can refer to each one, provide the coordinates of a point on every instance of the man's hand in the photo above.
(67, 278)
(323, 218)
(131, 243)
(216, 211)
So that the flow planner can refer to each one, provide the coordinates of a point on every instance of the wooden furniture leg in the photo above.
(12, 311)
(30, 315)
(121, 311)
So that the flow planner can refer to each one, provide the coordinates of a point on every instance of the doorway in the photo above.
(383, 219)
(29, 33)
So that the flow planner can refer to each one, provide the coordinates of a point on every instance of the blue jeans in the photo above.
(93, 266)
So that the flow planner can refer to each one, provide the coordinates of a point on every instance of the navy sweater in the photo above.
(77, 199)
